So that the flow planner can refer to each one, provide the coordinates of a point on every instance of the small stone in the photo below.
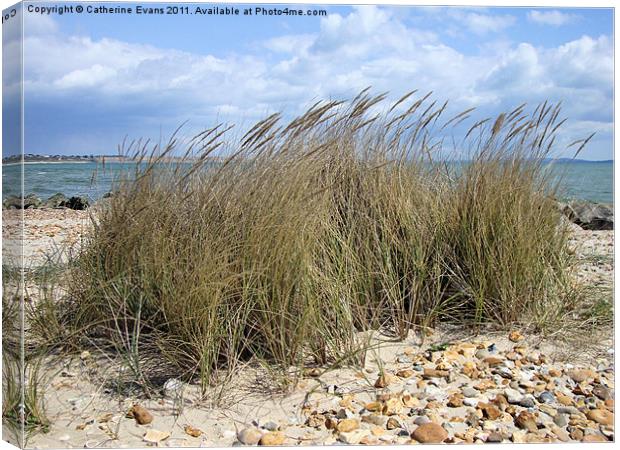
(377, 431)
(561, 420)
(546, 397)
(602, 392)
(430, 433)
(560, 433)
(581, 375)
(392, 406)
(483, 353)
(191, 431)
(527, 402)
(405, 373)
(141, 415)
(348, 425)
(527, 421)
(272, 438)
(470, 392)
(494, 436)
(601, 416)
(513, 396)
(493, 361)
(434, 373)
(385, 380)
(155, 436)
(515, 336)
(393, 424)
(421, 420)
(455, 400)
(270, 426)
(353, 437)
(316, 421)
(576, 434)
(489, 411)
(249, 436)
(564, 399)
(594, 438)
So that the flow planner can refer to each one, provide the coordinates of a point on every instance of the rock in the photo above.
(494, 436)
(546, 397)
(590, 216)
(594, 438)
(564, 399)
(272, 438)
(470, 392)
(270, 426)
(194, 432)
(515, 336)
(353, 437)
(576, 434)
(483, 353)
(602, 392)
(316, 421)
(513, 396)
(385, 380)
(141, 415)
(15, 202)
(392, 406)
(56, 201)
(405, 373)
(421, 420)
(434, 373)
(527, 402)
(155, 436)
(601, 416)
(493, 361)
(581, 375)
(455, 400)
(393, 424)
(527, 421)
(430, 433)
(561, 420)
(77, 203)
(249, 436)
(489, 411)
(347, 425)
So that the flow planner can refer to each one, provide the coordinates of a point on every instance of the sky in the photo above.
(91, 80)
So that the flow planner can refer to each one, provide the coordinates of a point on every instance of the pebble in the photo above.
(249, 436)
(469, 392)
(430, 433)
(353, 437)
(546, 397)
(141, 415)
(272, 438)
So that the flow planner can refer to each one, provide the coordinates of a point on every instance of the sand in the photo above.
(86, 410)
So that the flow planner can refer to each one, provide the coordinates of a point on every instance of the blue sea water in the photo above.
(591, 181)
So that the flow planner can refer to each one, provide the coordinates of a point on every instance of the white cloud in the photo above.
(368, 47)
(550, 17)
(481, 24)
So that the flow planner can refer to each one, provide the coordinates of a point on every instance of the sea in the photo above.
(583, 180)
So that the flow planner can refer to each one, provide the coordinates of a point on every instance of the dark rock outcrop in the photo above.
(76, 202)
(15, 202)
(56, 201)
(589, 216)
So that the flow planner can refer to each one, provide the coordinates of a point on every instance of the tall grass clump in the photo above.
(308, 233)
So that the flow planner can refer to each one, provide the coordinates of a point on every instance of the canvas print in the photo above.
(235, 224)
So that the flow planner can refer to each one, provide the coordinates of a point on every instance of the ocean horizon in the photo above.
(579, 179)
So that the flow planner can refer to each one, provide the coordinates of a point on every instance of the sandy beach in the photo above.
(437, 385)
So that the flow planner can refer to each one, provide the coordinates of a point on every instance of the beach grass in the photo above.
(311, 232)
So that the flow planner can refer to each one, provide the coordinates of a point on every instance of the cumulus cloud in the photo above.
(368, 47)
(550, 17)
(480, 23)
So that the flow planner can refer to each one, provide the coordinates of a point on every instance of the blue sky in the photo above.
(90, 80)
